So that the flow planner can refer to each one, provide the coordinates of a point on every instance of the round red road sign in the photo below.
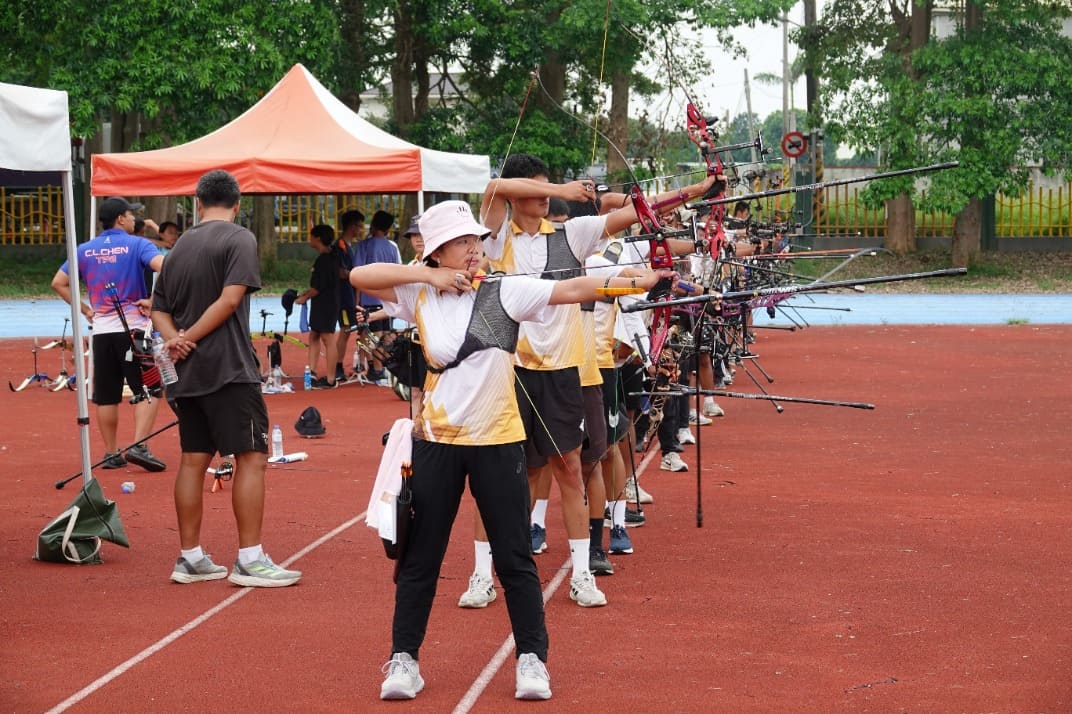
(794, 144)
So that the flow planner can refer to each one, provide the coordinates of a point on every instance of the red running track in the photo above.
(911, 558)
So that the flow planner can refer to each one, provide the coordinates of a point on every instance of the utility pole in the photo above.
(810, 80)
(785, 73)
(748, 108)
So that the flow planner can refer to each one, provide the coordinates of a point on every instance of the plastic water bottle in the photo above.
(308, 384)
(127, 487)
(163, 361)
(277, 442)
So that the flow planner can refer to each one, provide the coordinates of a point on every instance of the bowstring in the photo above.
(602, 66)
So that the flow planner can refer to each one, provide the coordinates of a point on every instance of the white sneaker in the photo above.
(712, 409)
(685, 436)
(584, 592)
(403, 679)
(481, 592)
(698, 419)
(673, 462)
(533, 681)
(631, 493)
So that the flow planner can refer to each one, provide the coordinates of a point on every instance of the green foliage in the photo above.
(990, 96)
(184, 67)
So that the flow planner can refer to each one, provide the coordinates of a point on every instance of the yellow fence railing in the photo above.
(32, 217)
(35, 216)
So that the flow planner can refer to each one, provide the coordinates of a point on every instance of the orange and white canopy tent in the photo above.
(299, 138)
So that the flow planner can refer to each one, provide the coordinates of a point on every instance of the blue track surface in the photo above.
(44, 318)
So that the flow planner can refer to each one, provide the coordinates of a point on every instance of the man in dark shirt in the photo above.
(324, 314)
(201, 308)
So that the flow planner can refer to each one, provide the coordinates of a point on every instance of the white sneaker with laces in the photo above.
(685, 436)
(403, 679)
(481, 592)
(632, 491)
(700, 419)
(584, 592)
(712, 409)
(533, 681)
(673, 462)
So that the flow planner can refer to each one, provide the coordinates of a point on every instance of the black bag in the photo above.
(405, 360)
(309, 424)
(75, 535)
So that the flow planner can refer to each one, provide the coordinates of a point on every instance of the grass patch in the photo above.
(30, 275)
(1018, 321)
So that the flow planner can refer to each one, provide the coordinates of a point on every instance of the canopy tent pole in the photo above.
(81, 381)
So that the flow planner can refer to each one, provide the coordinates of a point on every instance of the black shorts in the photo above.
(114, 363)
(552, 410)
(632, 375)
(377, 325)
(595, 425)
(616, 419)
(323, 321)
(232, 420)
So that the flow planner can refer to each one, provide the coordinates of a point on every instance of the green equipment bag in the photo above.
(75, 535)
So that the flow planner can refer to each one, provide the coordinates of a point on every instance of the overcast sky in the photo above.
(724, 90)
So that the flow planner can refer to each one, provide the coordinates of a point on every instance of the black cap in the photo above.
(116, 206)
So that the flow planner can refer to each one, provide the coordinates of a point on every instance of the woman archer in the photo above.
(468, 425)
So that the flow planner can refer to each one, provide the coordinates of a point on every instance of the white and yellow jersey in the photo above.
(589, 369)
(473, 403)
(559, 342)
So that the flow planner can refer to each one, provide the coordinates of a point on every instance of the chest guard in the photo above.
(562, 264)
(490, 327)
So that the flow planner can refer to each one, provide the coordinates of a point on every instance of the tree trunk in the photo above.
(264, 228)
(402, 71)
(354, 58)
(967, 232)
(618, 131)
(900, 225)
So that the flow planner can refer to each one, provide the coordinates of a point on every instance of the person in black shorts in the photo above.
(323, 290)
(201, 307)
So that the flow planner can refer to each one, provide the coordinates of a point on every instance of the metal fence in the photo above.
(32, 217)
(35, 217)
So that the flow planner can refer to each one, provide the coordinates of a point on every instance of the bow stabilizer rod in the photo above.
(826, 184)
(786, 291)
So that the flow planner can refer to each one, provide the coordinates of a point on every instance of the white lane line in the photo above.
(191, 625)
(496, 662)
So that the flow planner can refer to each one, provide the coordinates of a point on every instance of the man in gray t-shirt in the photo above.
(201, 307)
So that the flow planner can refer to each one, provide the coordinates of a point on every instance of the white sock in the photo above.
(194, 555)
(708, 401)
(617, 513)
(482, 549)
(578, 550)
(539, 513)
(250, 554)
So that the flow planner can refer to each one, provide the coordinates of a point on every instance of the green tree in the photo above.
(868, 92)
(993, 97)
(989, 95)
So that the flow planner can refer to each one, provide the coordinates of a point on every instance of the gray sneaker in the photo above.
(263, 573)
(532, 679)
(403, 679)
(204, 569)
(113, 461)
(139, 455)
(598, 563)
